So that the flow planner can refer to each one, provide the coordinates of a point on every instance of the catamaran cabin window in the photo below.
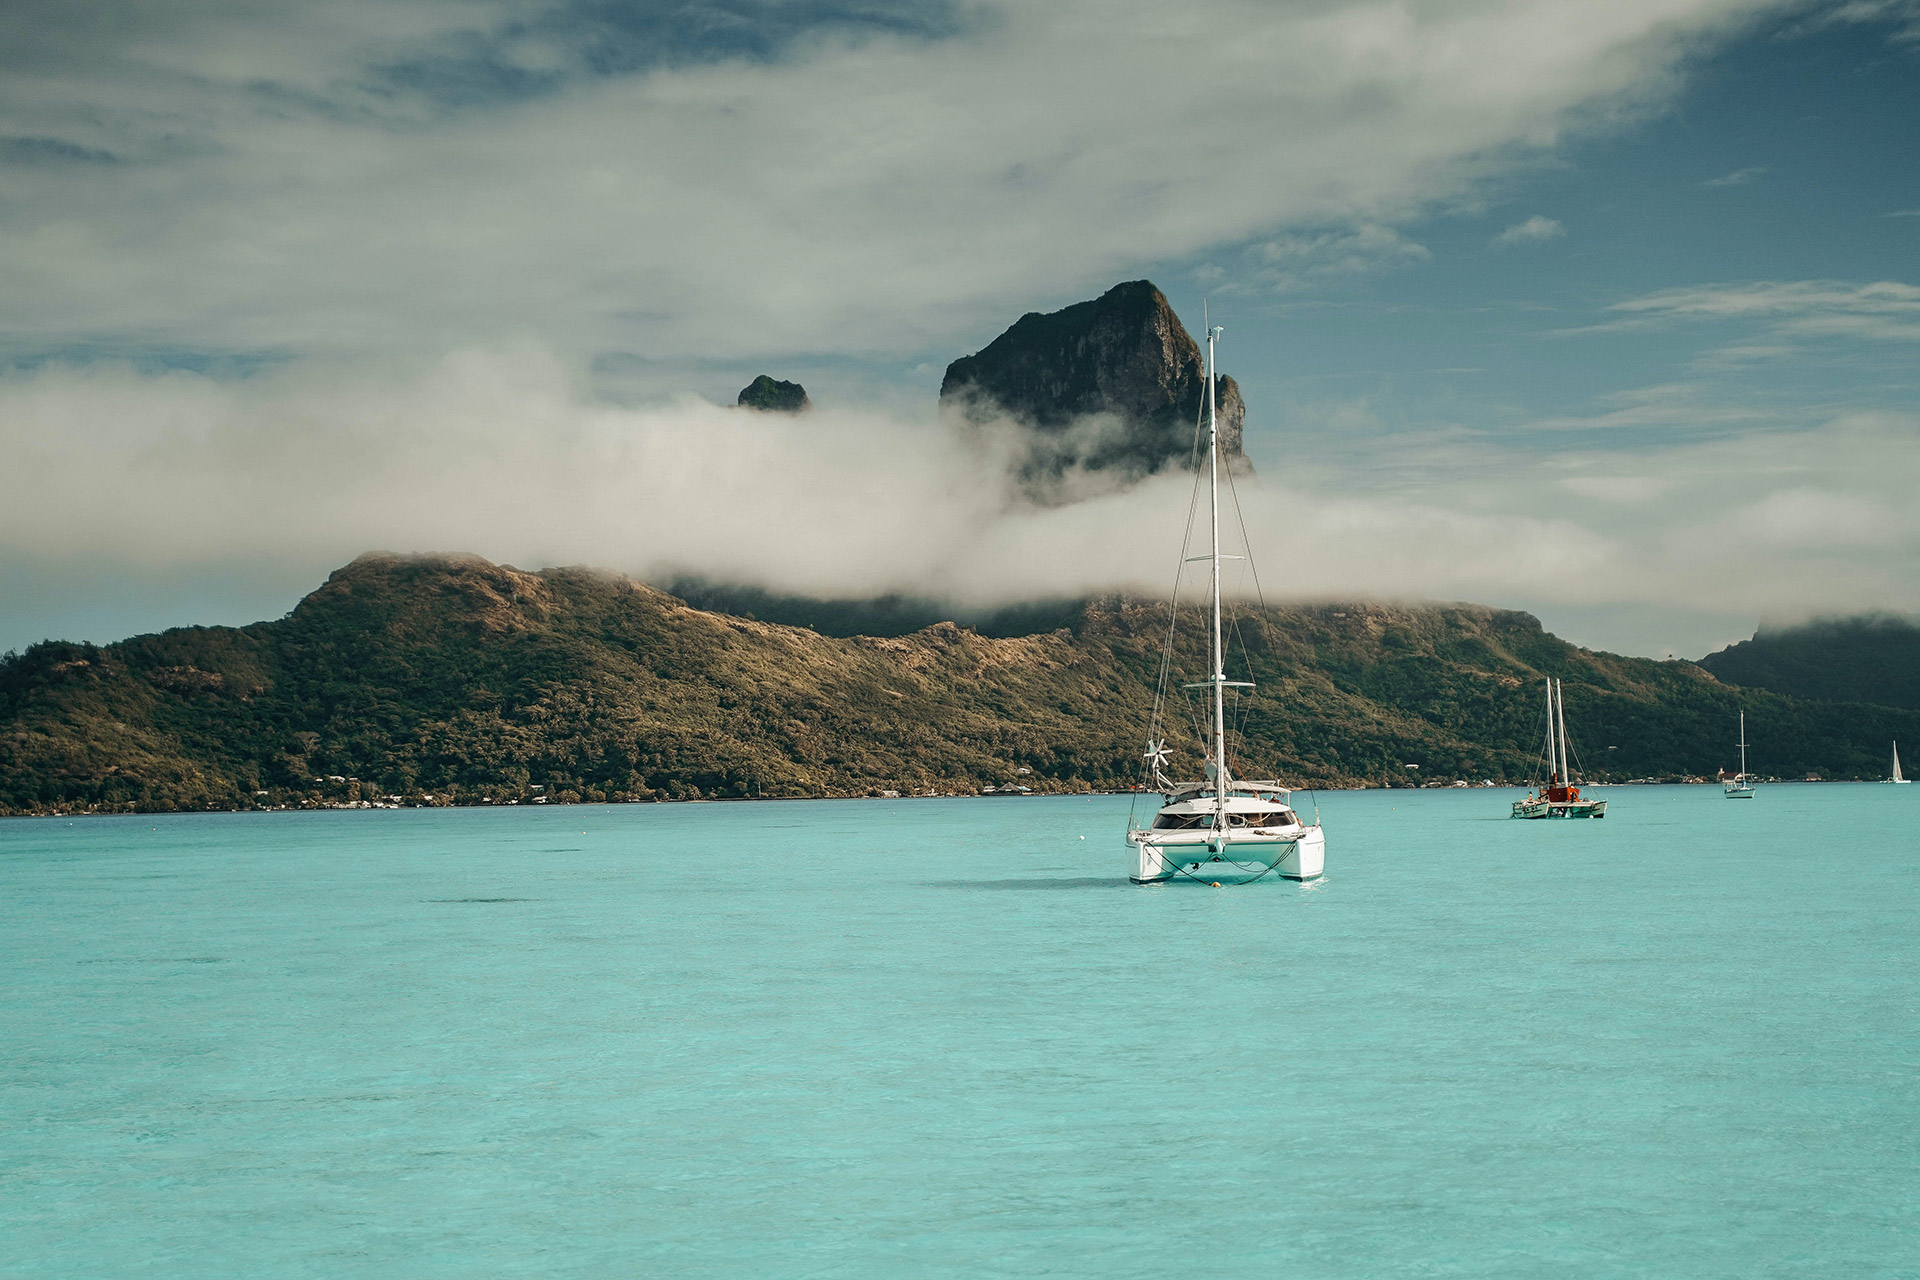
(1181, 821)
(1269, 818)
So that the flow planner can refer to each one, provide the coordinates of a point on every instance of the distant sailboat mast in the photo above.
(1743, 746)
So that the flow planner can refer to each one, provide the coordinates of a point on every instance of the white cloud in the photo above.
(1535, 230)
(1818, 520)
(501, 453)
(1289, 261)
(498, 452)
(860, 192)
(1738, 178)
(1625, 490)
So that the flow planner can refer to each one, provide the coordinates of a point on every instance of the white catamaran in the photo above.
(1896, 775)
(1221, 829)
(1558, 798)
(1740, 786)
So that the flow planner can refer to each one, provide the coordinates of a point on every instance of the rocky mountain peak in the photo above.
(772, 395)
(1115, 384)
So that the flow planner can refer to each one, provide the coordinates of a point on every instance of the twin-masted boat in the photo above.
(1558, 798)
(1220, 829)
(1740, 785)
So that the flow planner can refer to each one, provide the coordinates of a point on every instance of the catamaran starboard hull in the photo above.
(1242, 861)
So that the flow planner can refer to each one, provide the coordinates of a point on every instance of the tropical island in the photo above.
(451, 680)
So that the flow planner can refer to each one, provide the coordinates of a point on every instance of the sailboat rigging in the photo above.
(1740, 786)
(1558, 797)
(1218, 829)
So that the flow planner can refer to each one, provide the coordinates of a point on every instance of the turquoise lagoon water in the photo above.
(945, 1038)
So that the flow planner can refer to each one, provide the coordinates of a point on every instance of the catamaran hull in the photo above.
(1563, 809)
(1242, 861)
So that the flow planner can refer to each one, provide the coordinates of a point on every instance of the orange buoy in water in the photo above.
(1216, 884)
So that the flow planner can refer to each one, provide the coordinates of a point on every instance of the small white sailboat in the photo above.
(1558, 797)
(1220, 829)
(1897, 776)
(1740, 786)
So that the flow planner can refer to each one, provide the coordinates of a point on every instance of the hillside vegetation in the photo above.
(1871, 659)
(453, 680)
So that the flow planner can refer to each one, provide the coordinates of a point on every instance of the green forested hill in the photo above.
(466, 681)
(1870, 659)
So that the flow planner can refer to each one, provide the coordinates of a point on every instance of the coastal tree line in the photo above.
(454, 681)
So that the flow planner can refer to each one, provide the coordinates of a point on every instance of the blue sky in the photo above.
(1606, 312)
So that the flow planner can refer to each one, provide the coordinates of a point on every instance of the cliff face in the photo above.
(1115, 384)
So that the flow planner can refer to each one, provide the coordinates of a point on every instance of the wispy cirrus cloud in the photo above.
(1292, 261)
(1738, 178)
(1902, 15)
(1535, 230)
(1885, 310)
(1672, 410)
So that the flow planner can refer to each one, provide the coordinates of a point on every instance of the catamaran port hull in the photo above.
(1237, 861)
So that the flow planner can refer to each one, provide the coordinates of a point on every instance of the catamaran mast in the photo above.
(1553, 759)
(1566, 769)
(1219, 656)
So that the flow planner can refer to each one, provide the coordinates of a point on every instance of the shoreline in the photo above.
(363, 806)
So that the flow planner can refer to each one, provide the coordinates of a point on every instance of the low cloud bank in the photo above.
(501, 453)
